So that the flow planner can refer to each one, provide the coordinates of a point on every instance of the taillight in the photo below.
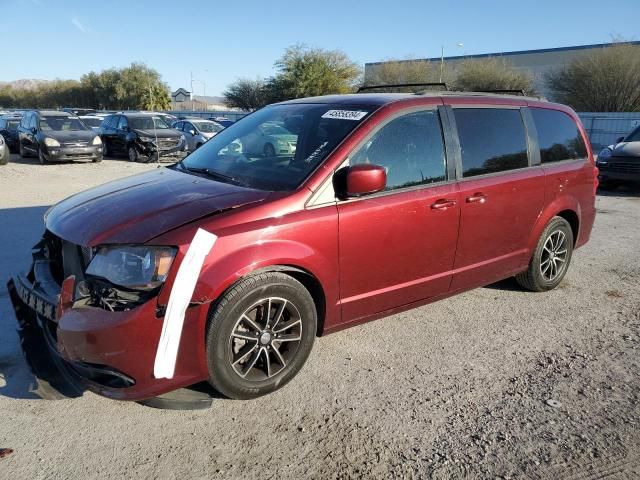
(595, 179)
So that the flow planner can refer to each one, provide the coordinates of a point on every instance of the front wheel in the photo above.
(132, 154)
(269, 150)
(260, 334)
(551, 258)
(41, 157)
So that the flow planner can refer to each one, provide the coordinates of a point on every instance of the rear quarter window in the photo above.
(558, 136)
(491, 140)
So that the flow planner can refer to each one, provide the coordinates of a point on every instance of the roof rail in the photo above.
(507, 91)
(403, 85)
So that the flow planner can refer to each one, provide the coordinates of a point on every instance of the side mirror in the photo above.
(619, 139)
(34, 130)
(359, 180)
(192, 132)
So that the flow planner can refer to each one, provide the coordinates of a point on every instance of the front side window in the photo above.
(558, 136)
(491, 140)
(277, 147)
(410, 148)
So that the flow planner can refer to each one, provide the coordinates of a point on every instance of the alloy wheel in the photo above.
(554, 256)
(265, 339)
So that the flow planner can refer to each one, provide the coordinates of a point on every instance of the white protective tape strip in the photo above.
(181, 293)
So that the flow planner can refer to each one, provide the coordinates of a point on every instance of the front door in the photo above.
(398, 246)
(501, 195)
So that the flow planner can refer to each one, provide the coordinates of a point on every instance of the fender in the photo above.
(557, 205)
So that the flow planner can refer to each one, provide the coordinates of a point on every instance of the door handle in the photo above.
(478, 197)
(443, 204)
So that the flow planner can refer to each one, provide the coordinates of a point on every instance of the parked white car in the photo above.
(4, 151)
(197, 132)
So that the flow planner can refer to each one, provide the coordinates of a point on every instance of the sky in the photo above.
(220, 41)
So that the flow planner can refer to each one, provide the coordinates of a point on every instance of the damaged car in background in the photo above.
(620, 163)
(225, 266)
(141, 137)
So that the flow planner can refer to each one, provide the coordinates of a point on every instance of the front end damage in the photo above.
(81, 334)
(156, 149)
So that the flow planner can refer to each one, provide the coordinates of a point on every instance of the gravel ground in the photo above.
(494, 383)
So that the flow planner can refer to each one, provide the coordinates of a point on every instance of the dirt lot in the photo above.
(496, 382)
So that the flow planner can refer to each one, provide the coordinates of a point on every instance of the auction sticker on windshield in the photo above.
(344, 114)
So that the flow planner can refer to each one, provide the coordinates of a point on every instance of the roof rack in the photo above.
(507, 91)
(403, 85)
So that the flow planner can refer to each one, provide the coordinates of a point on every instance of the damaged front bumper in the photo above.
(111, 353)
(160, 151)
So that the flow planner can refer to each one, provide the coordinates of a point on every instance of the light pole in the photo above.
(461, 45)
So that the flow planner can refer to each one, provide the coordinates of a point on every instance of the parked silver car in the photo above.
(4, 151)
(197, 132)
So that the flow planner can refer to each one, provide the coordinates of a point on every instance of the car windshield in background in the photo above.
(60, 123)
(208, 127)
(147, 123)
(277, 147)
(13, 124)
(92, 122)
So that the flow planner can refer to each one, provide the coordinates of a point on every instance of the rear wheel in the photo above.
(260, 334)
(551, 258)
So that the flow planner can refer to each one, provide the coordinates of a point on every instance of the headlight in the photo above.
(51, 142)
(134, 267)
(96, 141)
(604, 154)
(182, 139)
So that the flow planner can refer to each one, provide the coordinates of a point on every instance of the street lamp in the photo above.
(461, 45)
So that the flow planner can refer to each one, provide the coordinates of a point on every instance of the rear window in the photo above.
(558, 136)
(492, 140)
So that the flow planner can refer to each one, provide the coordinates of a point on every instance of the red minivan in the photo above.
(226, 266)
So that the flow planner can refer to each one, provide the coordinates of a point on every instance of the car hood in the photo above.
(139, 208)
(160, 133)
(70, 135)
(627, 149)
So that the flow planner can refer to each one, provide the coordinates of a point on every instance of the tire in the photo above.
(98, 159)
(132, 153)
(229, 356)
(269, 150)
(540, 276)
(41, 157)
(23, 152)
(106, 152)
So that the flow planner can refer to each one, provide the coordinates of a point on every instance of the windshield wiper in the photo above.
(213, 174)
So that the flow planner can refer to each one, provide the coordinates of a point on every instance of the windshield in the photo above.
(147, 123)
(60, 123)
(92, 122)
(633, 136)
(209, 127)
(277, 147)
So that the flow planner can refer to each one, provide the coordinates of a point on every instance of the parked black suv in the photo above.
(9, 130)
(141, 137)
(55, 136)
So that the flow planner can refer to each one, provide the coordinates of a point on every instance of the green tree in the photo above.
(607, 80)
(247, 94)
(490, 74)
(308, 72)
